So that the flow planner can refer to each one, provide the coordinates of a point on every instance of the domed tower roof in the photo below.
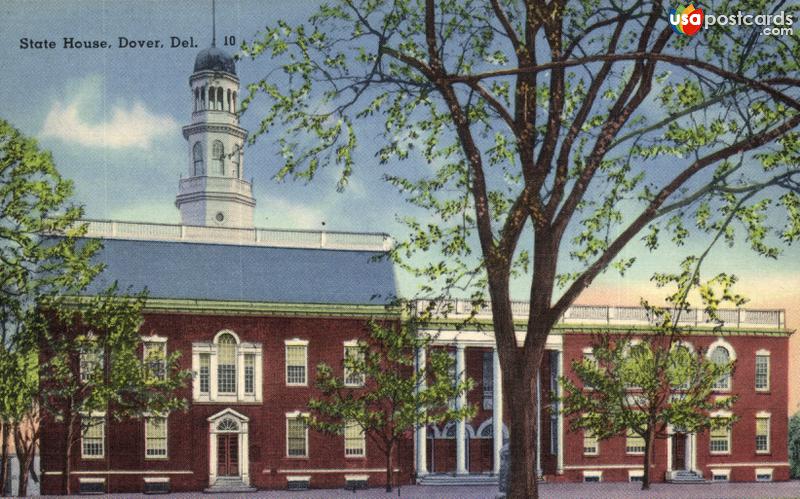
(214, 59)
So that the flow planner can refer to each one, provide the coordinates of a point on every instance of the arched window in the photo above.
(196, 98)
(219, 98)
(211, 97)
(203, 97)
(227, 424)
(721, 355)
(228, 102)
(226, 364)
(237, 155)
(197, 158)
(217, 159)
(233, 103)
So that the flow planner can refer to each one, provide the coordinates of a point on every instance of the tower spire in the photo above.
(213, 23)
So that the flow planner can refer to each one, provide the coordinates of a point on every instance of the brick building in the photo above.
(252, 311)
(754, 449)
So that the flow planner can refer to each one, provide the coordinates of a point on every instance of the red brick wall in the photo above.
(188, 432)
(742, 455)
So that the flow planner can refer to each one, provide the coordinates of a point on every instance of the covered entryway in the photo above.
(228, 466)
(679, 451)
(227, 454)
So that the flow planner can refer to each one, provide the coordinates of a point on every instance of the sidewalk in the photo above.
(546, 491)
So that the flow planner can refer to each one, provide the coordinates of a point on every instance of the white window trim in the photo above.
(732, 353)
(347, 344)
(156, 339)
(633, 453)
(363, 445)
(765, 353)
(294, 342)
(242, 348)
(763, 471)
(635, 474)
(726, 472)
(295, 415)
(722, 415)
(596, 446)
(166, 436)
(593, 474)
(768, 416)
(94, 415)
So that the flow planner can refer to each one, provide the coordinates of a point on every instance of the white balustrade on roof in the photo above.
(310, 239)
(614, 315)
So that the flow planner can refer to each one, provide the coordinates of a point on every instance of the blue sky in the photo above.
(112, 119)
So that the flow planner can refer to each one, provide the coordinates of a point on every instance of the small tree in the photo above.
(385, 393)
(19, 394)
(91, 364)
(646, 382)
(794, 445)
(34, 201)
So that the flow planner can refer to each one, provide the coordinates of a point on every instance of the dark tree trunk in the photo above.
(4, 461)
(648, 451)
(522, 432)
(26, 451)
(69, 433)
(389, 466)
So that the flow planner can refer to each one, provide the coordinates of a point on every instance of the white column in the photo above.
(240, 373)
(212, 455)
(560, 465)
(421, 432)
(212, 374)
(538, 424)
(497, 410)
(244, 453)
(461, 424)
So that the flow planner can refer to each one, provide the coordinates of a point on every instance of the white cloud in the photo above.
(123, 125)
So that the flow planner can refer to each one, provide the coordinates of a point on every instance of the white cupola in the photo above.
(215, 193)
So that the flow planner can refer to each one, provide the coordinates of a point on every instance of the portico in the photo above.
(550, 439)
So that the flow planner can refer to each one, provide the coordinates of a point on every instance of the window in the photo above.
(218, 158)
(353, 353)
(762, 371)
(155, 437)
(226, 367)
(720, 439)
(197, 157)
(219, 98)
(636, 476)
(762, 433)
(488, 380)
(227, 370)
(237, 160)
(205, 372)
(634, 443)
(720, 475)
(94, 434)
(296, 362)
(763, 474)
(91, 359)
(354, 441)
(592, 476)
(588, 356)
(721, 355)
(154, 354)
(296, 436)
(590, 447)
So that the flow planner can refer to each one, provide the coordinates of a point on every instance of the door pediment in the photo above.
(228, 412)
